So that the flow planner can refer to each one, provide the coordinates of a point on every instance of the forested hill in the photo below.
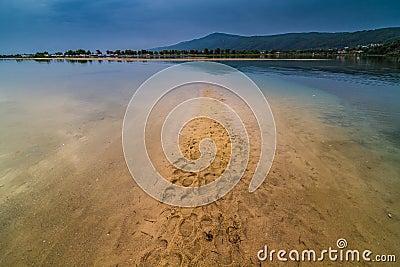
(290, 41)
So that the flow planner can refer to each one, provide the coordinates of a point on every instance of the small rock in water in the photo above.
(390, 215)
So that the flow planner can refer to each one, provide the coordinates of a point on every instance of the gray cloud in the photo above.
(29, 25)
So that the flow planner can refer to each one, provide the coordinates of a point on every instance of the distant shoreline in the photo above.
(159, 59)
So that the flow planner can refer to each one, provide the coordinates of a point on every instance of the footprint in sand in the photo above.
(172, 259)
(187, 227)
(151, 258)
(206, 224)
(223, 248)
(187, 182)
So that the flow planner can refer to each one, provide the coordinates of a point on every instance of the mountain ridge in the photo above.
(288, 41)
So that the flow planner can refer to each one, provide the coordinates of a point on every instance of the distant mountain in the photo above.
(290, 41)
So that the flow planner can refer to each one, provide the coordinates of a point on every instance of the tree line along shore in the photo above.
(388, 49)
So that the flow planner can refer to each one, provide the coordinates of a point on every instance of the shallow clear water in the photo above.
(44, 97)
(362, 95)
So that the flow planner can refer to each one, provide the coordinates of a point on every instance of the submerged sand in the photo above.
(80, 206)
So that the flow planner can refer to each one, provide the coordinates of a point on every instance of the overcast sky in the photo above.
(57, 25)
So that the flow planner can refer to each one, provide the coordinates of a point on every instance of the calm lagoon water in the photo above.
(359, 94)
(362, 96)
